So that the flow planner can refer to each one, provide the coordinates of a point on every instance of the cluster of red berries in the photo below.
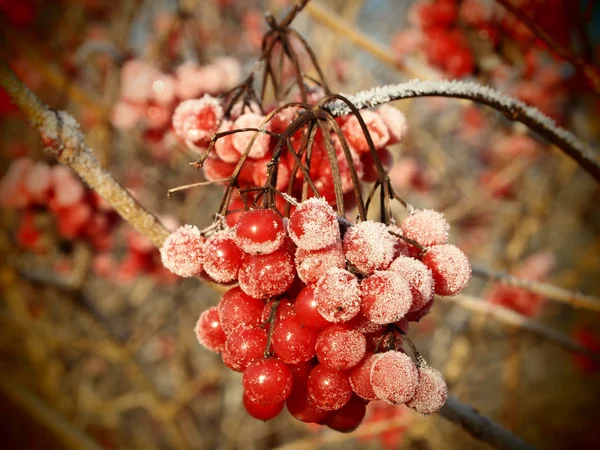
(195, 122)
(320, 312)
(37, 187)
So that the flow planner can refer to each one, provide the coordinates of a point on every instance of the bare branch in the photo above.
(513, 109)
(575, 299)
(509, 317)
(62, 137)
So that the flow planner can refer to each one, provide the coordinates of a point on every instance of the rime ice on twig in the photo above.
(512, 108)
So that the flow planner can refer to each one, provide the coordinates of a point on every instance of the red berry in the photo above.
(306, 309)
(269, 275)
(360, 377)
(339, 348)
(385, 297)
(262, 411)
(328, 389)
(183, 251)
(394, 377)
(293, 343)
(285, 309)
(244, 345)
(369, 246)
(376, 127)
(415, 316)
(237, 308)
(419, 278)
(427, 227)
(299, 404)
(337, 295)
(267, 381)
(222, 257)
(259, 231)
(314, 225)
(311, 265)
(431, 391)
(209, 331)
(349, 416)
(450, 268)
(241, 140)
(195, 121)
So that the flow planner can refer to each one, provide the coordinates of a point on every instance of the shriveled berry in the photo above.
(431, 393)
(339, 348)
(338, 296)
(394, 377)
(209, 331)
(385, 297)
(450, 268)
(259, 231)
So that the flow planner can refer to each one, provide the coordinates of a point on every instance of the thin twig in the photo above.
(575, 299)
(513, 109)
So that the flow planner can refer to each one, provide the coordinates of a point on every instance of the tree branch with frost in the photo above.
(513, 109)
(62, 137)
(574, 299)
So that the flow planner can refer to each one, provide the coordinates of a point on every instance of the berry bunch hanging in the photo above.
(319, 306)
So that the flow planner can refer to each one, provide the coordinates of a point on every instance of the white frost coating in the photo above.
(531, 116)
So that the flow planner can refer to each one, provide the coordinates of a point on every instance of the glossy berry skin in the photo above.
(238, 308)
(306, 309)
(293, 343)
(267, 380)
(339, 348)
(349, 416)
(328, 389)
(209, 331)
(264, 276)
(244, 345)
(299, 403)
(222, 257)
(262, 411)
(259, 231)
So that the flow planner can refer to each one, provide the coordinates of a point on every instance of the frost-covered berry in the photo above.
(360, 377)
(314, 225)
(312, 265)
(385, 297)
(238, 308)
(224, 148)
(264, 276)
(338, 295)
(427, 227)
(209, 332)
(241, 140)
(340, 348)
(376, 126)
(197, 120)
(450, 268)
(396, 122)
(419, 278)
(259, 231)
(222, 257)
(431, 393)
(183, 251)
(244, 345)
(369, 246)
(394, 377)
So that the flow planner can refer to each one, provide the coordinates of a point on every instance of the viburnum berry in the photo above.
(183, 251)
(209, 331)
(314, 225)
(269, 275)
(340, 348)
(222, 257)
(306, 309)
(349, 416)
(415, 316)
(419, 278)
(259, 231)
(360, 377)
(376, 127)
(195, 121)
(427, 227)
(369, 246)
(262, 411)
(329, 389)
(238, 308)
(267, 380)
(241, 140)
(337, 295)
(312, 265)
(285, 309)
(243, 345)
(299, 403)
(396, 123)
(385, 297)
(431, 393)
(394, 377)
(450, 268)
(292, 342)
(224, 148)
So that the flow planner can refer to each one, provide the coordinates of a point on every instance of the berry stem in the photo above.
(420, 360)
(271, 322)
